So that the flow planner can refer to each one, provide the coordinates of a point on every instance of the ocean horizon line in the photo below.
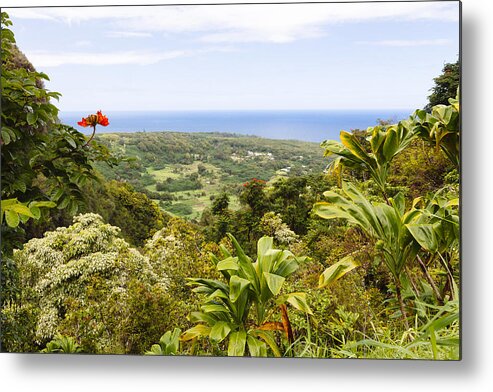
(305, 125)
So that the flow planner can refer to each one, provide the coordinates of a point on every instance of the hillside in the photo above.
(185, 171)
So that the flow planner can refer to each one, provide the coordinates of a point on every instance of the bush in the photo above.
(85, 282)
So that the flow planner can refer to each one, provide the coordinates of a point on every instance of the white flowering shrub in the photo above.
(89, 284)
(272, 225)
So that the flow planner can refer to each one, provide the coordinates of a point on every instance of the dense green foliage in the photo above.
(237, 309)
(187, 170)
(218, 244)
(446, 86)
(42, 160)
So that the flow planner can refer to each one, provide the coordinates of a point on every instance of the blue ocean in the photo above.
(313, 126)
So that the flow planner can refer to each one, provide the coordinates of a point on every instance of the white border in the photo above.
(473, 373)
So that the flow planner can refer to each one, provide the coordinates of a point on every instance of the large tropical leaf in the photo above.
(237, 286)
(337, 271)
(274, 282)
(298, 300)
(237, 341)
(219, 331)
(199, 330)
(256, 347)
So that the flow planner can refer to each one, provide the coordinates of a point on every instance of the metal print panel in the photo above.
(263, 180)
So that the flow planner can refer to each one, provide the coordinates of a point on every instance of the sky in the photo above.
(241, 57)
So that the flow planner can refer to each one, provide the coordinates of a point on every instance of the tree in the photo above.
(386, 223)
(41, 159)
(446, 86)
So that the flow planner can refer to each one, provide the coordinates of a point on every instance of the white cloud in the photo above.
(247, 23)
(406, 43)
(128, 34)
(56, 59)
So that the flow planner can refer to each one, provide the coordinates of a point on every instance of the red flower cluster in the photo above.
(94, 119)
(255, 181)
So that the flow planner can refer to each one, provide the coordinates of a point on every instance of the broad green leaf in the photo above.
(200, 330)
(196, 317)
(22, 209)
(40, 204)
(246, 266)
(391, 144)
(64, 203)
(237, 341)
(298, 300)
(5, 137)
(219, 331)
(32, 118)
(256, 347)
(349, 140)
(424, 234)
(36, 212)
(217, 294)
(71, 142)
(337, 271)
(155, 350)
(287, 267)
(211, 308)
(8, 202)
(172, 341)
(236, 287)
(268, 338)
(274, 282)
(263, 245)
(12, 218)
(230, 263)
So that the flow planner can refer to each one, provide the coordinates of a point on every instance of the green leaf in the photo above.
(214, 308)
(268, 338)
(424, 234)
(200, 330)
(32, 118)
(71, 142)
(263, 245)
(391, 144)
(219, 331)
(40, 204)
(274, 282)
(230, 263)
(12, 218)
(5, 137)
(237, 341)
(349, 140)
(22, 209)
(202, 317)
(36, 212)
(298, 300)
(8, 202)
(337, 271)
(155, 350)
(256, 347)
(236, 287)
(64, 203)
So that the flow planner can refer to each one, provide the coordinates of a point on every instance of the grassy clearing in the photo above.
(198, 199)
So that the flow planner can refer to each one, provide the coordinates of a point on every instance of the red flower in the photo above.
(83, 123)
(102, 120)
(94, 119)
